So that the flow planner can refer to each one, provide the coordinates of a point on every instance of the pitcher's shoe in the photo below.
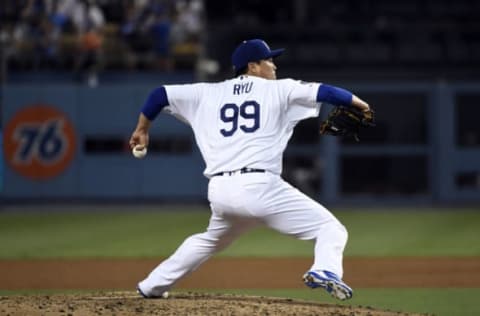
(163, 295)
(328, 281)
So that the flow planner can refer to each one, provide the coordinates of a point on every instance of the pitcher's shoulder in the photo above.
(287, 81)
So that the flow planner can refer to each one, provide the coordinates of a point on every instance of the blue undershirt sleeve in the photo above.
(156, 101)
(334, 95)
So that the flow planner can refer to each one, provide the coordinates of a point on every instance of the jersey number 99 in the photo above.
(231, 113)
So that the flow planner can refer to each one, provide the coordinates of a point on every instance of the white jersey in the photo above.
(243, 122)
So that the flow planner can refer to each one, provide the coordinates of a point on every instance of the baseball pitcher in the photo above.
(242, 126)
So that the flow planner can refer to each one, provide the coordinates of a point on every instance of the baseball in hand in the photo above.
(139, 151)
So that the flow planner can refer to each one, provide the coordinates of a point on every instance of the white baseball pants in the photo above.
(242, 201)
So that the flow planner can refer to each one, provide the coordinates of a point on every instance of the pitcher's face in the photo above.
(264, 68)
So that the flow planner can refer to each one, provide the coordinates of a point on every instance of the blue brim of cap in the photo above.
(276, 52)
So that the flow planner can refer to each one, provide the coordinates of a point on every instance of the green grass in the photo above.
(95, 233)
(142, 232)
(413, 232)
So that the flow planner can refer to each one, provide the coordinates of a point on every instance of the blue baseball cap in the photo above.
(252, 50)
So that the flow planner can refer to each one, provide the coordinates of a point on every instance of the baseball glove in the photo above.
(347, 121)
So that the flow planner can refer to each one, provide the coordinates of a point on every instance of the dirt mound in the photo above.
(129, 303)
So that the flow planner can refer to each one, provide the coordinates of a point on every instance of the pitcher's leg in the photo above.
(291, 212)
(330, 242)
(330, 236)
(195, 250)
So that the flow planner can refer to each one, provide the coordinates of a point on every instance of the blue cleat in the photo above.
(328, 281)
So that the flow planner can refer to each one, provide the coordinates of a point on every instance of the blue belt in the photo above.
(243, 170)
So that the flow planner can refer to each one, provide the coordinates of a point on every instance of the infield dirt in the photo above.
(191, 304)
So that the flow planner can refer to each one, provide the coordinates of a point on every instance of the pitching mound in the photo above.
(129, 303)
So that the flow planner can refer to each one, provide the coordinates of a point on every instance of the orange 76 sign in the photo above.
(39, 142)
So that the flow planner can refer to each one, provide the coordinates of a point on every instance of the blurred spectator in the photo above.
(147, 33)
(160, 31)
(439, 36)
(88, 21)
(187, 32)
(35, 43)
(189, 23)
(9, 16)
(78, 34)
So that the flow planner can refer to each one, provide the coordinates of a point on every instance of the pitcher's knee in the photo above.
(343, 232)
(210, 242)
(335, 230)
